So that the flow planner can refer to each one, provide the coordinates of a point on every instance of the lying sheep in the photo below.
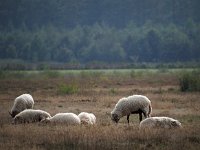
(160, 122)
(22, 102)
(93, 118)
(65, 118)
(30, 115)
(136, 104)
(87, 118)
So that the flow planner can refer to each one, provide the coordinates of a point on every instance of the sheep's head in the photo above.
(13, 113)
(45, 120)
(86, 122)
(176, 124)
(115, 117)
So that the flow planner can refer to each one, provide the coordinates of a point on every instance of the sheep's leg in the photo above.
(128, 118)
(140, 116)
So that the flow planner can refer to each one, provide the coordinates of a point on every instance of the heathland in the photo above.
(174, 93)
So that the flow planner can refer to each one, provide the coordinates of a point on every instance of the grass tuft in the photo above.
(50, 74)
(67, 89)
(190, 81)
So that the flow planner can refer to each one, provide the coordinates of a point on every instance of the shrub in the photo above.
(2, 74)
(113, 91)
(50, 74)
(190, 81)
(91, 74)
(67, 89)
(132, 74)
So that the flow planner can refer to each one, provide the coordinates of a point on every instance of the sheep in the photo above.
(22, 102)
(93, 118)
(30, 115)
(160, 122)
(87, 118)
(65, 118)
(135, 104)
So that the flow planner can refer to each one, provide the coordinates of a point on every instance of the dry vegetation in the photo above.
(98, 93)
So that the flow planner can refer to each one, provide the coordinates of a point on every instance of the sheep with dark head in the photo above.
(30, 116)
(136, 104)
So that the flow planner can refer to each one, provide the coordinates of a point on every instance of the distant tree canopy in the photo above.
(106, 31)
(118, 13)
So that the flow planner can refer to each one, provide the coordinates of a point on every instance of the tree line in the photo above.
(99, 42)
(110, 31)
(118, 13)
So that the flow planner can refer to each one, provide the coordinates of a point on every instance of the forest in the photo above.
(108, 31)
(76, 56)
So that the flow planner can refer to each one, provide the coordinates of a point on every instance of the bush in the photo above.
(132, 74)
(51, 74)
(190, 81)
(67, 89)
(2, 74)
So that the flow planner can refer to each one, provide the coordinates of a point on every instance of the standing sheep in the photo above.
(22, 102)
(65, 118)
(160, 122)
(87, 118)
(136, 104)
(30, 115)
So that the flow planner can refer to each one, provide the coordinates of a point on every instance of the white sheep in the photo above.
(87, 118)
(30, 115)
(93, 118)
(160, 122)
(65, 118)
(136, 104)
(22, 102)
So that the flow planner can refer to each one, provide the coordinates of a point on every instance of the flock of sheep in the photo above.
(23, 112)
(139, 104)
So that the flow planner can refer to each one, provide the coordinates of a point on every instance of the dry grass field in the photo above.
(98, 92)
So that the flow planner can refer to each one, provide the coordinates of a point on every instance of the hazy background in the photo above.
(60, 34)
(93, 41)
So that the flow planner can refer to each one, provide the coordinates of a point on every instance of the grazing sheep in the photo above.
(87, 118)
(93, 118)
(136, 104)
(30, 115)
(65, 118)
(160, 122)
(22, 102)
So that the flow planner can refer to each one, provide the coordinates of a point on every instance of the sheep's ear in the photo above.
(115, 117)
(18, 117)
(173, 123)
(42, 120)
(45, 120)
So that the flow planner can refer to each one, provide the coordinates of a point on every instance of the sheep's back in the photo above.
(157, 122)
(22, 102)
(93, 118)
(29, 100)
(33, 115)
(132, 103)
(68, 118)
